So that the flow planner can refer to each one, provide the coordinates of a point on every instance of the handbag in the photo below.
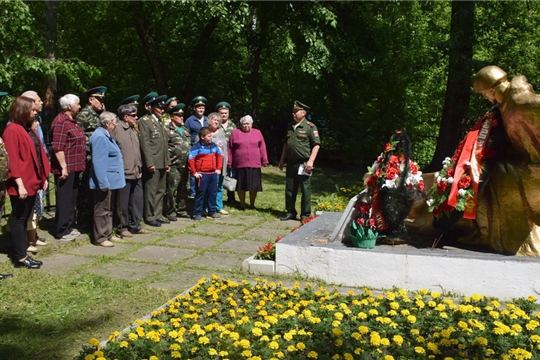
(229, 183)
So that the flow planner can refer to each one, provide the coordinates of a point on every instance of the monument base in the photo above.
(309, 252)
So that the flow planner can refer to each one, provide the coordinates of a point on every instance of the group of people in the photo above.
(117, 167)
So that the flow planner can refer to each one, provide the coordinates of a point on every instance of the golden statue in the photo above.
(505, 216)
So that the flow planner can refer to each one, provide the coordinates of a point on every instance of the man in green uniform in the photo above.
(300, 149)
(3, 168)
(88, 119)
(224, 108)
(169, 104)
(155, 155)
(177, 177)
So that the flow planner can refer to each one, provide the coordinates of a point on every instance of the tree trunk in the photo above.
(50, 46)
(457, 98)
(197, 60)
(150, 48)
(258, 36)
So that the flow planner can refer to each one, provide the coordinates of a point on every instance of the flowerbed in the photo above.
(223, 319)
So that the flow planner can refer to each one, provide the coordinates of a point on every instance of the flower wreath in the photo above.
(456, 185)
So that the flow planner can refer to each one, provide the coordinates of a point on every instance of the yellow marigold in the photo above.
(288, 336)
(300, 346)
(338, 316)
(89, 357)
(494, 314)
(223, 353)
(363, 329)
(98, 353)
(419, 350)
(133, 336)
(153, 357)
(432, 303)
(176, 354)
(405, 312)
(373, 312)
(411, 319)
(462, 325)
(234, 336)
(336, 323)
(338, 342)
(531, 298)
(94, 342)
(535, 338)
(204, 340)
(348, 356)
(244, 343)
(124, 344)
(398, 340)
(336, 331)
(415, 331)
(394, 305)
(388, 357)
(256, 331)
(385, 342)
(420, 339)
(362, 315)
(420, 304)
(246, 353)
(291, 348)
(312, 355)
(273, 345)
(375, 338)
(480, 341)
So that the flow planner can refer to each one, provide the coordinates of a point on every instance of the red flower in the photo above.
(421, 185)
(441, 186)
(445, 207)
(414, 168)
(450, 172)
(387, 147)
(372, 223)
(378, 172)
(393, 159)
(391, 173)
(464, 182)
(360, 221)
(363, 208)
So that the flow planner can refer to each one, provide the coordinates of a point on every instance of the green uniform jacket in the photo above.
(179, 145)
(230, 127)
(88, 119)
(153, 139)
(301, 140)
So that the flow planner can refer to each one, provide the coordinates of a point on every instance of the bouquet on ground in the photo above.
(363, 229)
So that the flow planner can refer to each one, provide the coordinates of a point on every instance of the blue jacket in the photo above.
(194, 125)
(107, 165)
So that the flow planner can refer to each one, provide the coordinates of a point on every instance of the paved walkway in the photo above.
(174, 256)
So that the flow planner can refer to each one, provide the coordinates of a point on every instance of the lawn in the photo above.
(46, 316)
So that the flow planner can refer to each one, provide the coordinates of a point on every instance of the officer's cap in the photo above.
(149, 97)
(97, 92)
(169, 100)
(198, 100)
(223, 105)
(158, 101)
(132, 100)
(299, 106)
(178, 109)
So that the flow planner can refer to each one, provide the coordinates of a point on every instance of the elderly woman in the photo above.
(28, 171)
(219, 138)
(69, 146)
(106, 174)
(247, 154)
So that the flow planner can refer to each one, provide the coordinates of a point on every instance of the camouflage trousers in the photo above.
(176, 197)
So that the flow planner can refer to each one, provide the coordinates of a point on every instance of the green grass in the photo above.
(44, 316)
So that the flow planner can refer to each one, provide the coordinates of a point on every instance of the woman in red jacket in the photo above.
(28, 171)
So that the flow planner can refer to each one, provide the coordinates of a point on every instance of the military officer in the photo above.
(194, 123)
(88, 119)
(131, 100)
(177, 177)
(301, 148)
(155, 155)
(224, 108)
(169, 104)
(3, 168)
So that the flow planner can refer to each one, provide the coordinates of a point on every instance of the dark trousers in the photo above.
(66, 200)
(20, 212)
(192, 182)
(206, 185)
(177, 179)
(132, 201)
(293, 182)
(102, 215)
(155, 186)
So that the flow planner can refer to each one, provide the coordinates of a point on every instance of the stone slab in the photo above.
(218, 260)
(194, 241)
(145, 238)
(180, 224)
(60, 264)
(215, 227)
(178, 279)
(127, 270)
(309, 252)
(278, 224)
(264, 234)
(241, 246)
(93, 250)
(235, 219)
(161, 254)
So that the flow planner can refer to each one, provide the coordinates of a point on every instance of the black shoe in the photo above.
(5, 276)
(172, 218)
(27, 264)
(163, 221)
(153, 223)
(288, 217)
(35, 261)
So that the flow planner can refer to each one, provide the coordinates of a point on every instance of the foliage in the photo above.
(222, 318)
(337, 201)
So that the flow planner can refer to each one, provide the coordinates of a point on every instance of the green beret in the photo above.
(98, 92)
(159, 101)
(198, 100)
(132, 100)
(169, 100)
(148, 97)
(299, 106)
(178, 109)
(223, 105)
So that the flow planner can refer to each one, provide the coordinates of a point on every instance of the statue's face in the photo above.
(489, 94)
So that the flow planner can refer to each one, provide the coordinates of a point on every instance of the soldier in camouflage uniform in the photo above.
(224, 108)
(3, 168)
(169, 104)
(177, 178)
(88, 119)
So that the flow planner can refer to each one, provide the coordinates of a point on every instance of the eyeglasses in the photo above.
(132, 115)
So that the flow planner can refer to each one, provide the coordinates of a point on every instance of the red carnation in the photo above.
(413, 167)
(450, 173)
(393, 159)
(391, 173)
(363, 208)
(378, 172)
(421, 185)
(464, 182)
(441, 186)
(387, 147)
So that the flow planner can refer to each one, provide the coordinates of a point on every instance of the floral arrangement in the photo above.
(439, 194)
(223, 319)
(268, 251)
(363, 228)
(388, 174)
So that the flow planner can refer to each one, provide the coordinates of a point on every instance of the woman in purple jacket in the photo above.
(247, 154)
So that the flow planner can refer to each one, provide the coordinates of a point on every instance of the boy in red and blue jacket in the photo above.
(205, 162)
